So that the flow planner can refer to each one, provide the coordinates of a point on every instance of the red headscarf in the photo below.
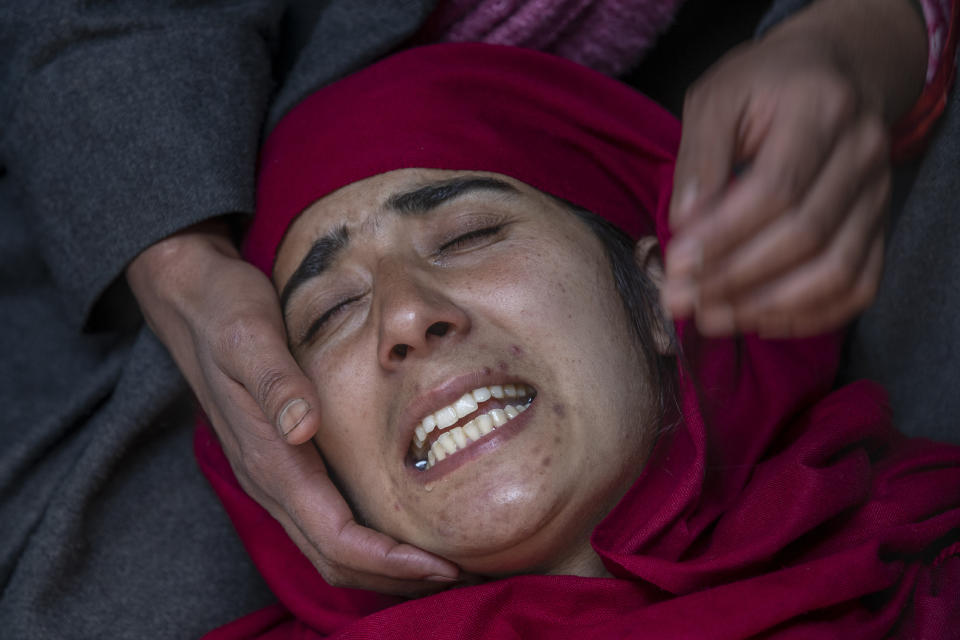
(775, 507)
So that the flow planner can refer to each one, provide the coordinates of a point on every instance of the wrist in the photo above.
(880, 45)
(210, 239)
(163, 272)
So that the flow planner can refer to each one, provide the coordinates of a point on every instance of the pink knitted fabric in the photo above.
(607, 35)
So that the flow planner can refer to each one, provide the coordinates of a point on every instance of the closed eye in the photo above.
(469, 239)
(325, 317)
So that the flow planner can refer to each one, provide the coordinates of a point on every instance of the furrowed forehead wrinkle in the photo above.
(427, 198)
(321, 255)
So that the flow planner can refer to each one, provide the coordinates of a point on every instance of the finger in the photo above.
(833, 316)
(303, 498)
(802, 232)
(254, 353)
(707, 149)
(678, 297)
(790, 157)
(347, 544)
(837, 279)
(341, 576)
(293, 485)
(705, 159)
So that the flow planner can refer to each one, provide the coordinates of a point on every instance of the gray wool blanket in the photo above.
(124, 124)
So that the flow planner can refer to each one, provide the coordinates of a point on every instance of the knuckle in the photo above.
(268, 385)
(706, 96)
(253, 465)
(238, 333)
(839, 99)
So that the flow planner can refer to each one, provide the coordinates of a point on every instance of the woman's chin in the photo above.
(510, 540)
(518, 559)
(540, 554)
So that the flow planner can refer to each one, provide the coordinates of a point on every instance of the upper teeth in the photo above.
(462, 436)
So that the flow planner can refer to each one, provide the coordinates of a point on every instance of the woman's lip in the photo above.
(481, 447)
(442, 395)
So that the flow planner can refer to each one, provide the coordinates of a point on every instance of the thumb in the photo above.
(286, 397)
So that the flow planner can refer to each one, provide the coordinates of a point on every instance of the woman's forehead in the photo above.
(407, 193)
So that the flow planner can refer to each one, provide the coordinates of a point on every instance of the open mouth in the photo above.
(473, 416)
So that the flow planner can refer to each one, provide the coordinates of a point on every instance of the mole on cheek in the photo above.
(545, 462)
(559, 410)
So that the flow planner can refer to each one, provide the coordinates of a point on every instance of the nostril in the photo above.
(438, 329)
(400, 350)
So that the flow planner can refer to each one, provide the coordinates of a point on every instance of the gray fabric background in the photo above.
(122, 122)
(909, 340)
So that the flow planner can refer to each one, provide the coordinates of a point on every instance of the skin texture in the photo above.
(431, 313)
(220, 318)
(794, 244)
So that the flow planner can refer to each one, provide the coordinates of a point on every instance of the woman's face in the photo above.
(411, 292)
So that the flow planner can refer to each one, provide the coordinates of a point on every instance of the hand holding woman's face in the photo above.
(411, 292)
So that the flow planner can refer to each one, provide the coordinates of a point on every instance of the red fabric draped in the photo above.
(773, 507)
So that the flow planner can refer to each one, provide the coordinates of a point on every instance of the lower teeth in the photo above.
(497, 418)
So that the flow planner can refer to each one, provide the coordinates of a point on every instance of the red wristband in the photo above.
(912, 131)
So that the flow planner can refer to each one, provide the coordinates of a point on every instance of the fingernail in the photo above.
(291, 415)
(684, 258)
(445, 579)
(688, 197)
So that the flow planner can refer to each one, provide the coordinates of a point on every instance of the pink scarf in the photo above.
(609, 36)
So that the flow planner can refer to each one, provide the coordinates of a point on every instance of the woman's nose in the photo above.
(416, 317)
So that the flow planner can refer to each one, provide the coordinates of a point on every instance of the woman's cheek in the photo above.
(520, 288)
(351, 418)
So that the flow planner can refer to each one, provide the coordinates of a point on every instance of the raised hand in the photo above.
(783, 175)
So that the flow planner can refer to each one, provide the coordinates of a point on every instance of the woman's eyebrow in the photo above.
(318, 259)
(425, 199)
(418, 201)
